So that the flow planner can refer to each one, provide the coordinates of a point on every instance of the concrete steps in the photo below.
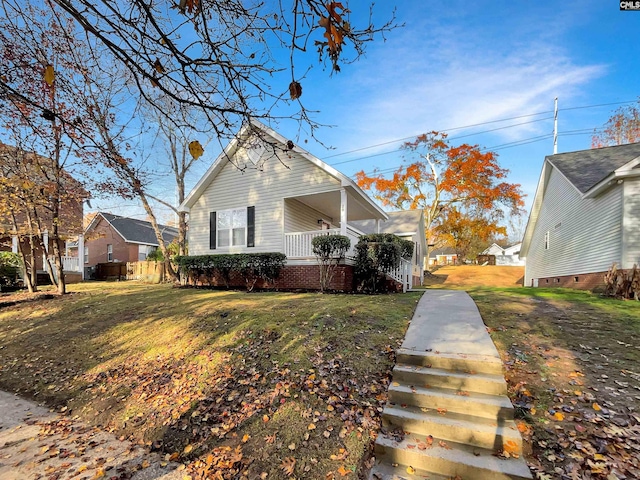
(478, 404)
(455, 362)
(451, 460)
(454, 427)
(447, 417)
(435, 377)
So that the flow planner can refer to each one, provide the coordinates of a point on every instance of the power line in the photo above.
(444, 130)
(467, 126)
(452, 138)
(503, 146)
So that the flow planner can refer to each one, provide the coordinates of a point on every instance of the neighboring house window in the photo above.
(109, 253)
(86, 254)
(232, 228)
(144, 251)
(546, 241)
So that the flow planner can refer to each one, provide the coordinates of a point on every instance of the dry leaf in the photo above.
(49, 74)
(295, 90)
(158, 66)
(343, 471)
(195, 149)
(287, 465)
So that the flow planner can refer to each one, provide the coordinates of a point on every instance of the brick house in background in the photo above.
(112, 238)
(40, 171)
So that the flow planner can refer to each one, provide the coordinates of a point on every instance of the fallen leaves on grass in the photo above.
(287, 465)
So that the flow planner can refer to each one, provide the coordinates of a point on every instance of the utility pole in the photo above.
(555, 127)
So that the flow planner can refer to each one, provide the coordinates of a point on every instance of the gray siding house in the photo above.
(585, 217)
(265, 194)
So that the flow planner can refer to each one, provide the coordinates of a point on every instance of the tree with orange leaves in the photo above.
(442, 179)
(466, 233)
(622, 127)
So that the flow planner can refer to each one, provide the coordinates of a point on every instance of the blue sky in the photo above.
(456, 64)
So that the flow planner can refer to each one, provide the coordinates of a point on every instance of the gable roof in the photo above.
(405, 222)
(442, 251)
(234, 145)
(133, 230)
(589, 171)
(586, 168)
(510, 250)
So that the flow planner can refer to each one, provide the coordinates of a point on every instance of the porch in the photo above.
(299, 250)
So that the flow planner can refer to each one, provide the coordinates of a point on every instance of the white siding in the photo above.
(302, 218)
(584, 234)
(263, 189)
(631, 223)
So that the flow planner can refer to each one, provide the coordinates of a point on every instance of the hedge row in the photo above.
(250, 266)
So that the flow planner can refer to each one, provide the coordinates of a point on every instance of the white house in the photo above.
(505, 255)
(585, 217)
(265, 194)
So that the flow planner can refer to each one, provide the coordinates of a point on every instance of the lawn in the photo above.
(456, 276)
(261, 385)
(572, 363)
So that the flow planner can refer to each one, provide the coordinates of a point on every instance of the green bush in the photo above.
(251, 266)
(329, 250)
(377, 254)
(156, 256)
(10, 266)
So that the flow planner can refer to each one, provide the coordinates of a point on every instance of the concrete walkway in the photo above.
(448, 321)
(37, 443)
(448, 414)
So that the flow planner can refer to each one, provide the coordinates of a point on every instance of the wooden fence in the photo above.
(111, 271)
(149, 272)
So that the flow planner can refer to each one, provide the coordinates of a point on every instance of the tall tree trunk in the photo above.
(27, 276)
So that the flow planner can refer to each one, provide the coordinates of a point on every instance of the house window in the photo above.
(86, 254)
(109, 253)
(546, 241)
(232, 227)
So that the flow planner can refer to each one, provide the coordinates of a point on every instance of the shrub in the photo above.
(376, 255)
(623, 284)
(156, 256)
(10, 265)
(251, 266)
(329, 250)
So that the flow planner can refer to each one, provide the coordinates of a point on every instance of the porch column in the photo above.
(378, 225)
(81, 254)
(343, 212)
(45, 253)
(14, 244)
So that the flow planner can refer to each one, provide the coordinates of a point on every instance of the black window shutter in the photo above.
(212, 230)
(251, 226)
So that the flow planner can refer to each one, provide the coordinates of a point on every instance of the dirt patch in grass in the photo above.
(573, 368)
(243, 384)
(465, 276)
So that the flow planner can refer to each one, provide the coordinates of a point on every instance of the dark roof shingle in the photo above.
(585, 168)
(139, 231)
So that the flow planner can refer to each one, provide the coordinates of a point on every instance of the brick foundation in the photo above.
(292, 277)
(582, 281)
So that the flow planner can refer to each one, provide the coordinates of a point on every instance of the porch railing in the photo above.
(402, 274)
(298, 244)
(69, 264)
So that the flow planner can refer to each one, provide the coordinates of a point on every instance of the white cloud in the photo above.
(415, 84)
